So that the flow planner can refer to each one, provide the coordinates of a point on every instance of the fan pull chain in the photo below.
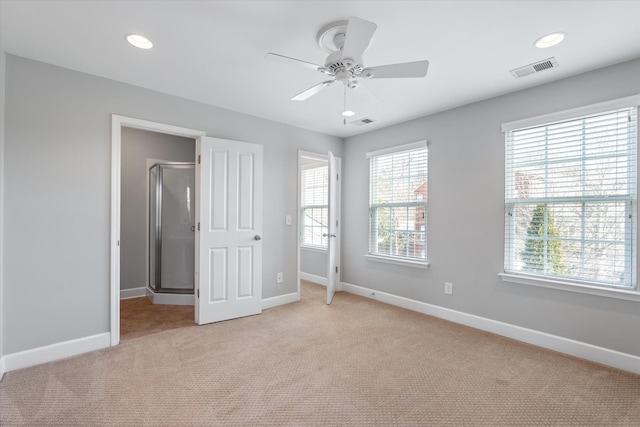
(344, 118)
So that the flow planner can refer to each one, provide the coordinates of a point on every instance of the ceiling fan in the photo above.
(345, 42)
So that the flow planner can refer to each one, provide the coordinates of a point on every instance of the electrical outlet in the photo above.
(279, 278)
(287, 220)
(448, 288)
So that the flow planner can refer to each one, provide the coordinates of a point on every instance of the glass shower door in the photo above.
(172, 209)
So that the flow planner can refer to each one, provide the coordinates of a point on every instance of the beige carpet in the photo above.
(356, 362)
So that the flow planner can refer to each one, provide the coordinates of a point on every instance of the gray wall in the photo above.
(57, 193)
(465, 215)
(138, 146)
(313, 262)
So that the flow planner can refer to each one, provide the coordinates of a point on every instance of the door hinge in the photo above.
(336, 268)
(198, 226)
(199, 158)
(198, 293)
(337, 176)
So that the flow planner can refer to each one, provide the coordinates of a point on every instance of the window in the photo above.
(314, 202)
(570, 199)
(398, 202)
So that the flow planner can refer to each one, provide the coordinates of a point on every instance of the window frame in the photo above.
(388, 258)
(576, 285)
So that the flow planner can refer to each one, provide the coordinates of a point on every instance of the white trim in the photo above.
(280, 300)
(613, 104)
(605, 356)
(53, 352)
(397, 149)
(133, 293)
(397, 261)
(114, 280)
(3, 66)
(319, 280)
(131, 122)
(628, 295)
(117, 122)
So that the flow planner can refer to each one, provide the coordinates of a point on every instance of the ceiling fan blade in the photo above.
(286, 60)
(312, 91)
(357, 38)
(406, 69)
(365, 94)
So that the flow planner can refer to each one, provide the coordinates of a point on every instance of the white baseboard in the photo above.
(133, 292)
(313, 278)
(605, 356)
(53, 352)
(279, 300)
(2, 370)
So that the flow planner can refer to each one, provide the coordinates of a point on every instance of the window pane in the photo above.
(314, 203)
(570, 189)
(398, 197)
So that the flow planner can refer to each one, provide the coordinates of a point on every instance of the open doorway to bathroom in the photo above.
(157, 232)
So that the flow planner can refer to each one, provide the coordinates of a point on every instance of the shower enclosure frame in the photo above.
(155, 232)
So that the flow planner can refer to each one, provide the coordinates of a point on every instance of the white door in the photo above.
(332, 265)
(228, 281)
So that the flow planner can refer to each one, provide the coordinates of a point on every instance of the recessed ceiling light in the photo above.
(348, 113)
(550, 40)
(139, 41)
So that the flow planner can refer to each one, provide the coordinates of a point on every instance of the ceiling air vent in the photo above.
(362, 122)
(535, 67)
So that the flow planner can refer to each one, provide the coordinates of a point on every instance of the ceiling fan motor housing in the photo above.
(337, 66)
(331, 39)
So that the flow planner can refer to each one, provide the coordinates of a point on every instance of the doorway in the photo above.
(314, 231)
(118, 124)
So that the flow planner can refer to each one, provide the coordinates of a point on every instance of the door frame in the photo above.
(117, 123)
(320, 156)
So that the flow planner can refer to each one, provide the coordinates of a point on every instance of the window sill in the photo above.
(628, 295)
(397, 261)
(313, 249)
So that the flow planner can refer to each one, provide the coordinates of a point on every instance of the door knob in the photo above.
(258, 237)
(328, 235)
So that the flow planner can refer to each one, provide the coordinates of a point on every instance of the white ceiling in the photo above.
(213, 51)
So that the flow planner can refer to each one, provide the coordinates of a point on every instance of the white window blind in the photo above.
(314, 205)
(570, 199)
(398, 202)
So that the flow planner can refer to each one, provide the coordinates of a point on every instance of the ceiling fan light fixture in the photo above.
(549, 40)
(348, 113)
(139, 41)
